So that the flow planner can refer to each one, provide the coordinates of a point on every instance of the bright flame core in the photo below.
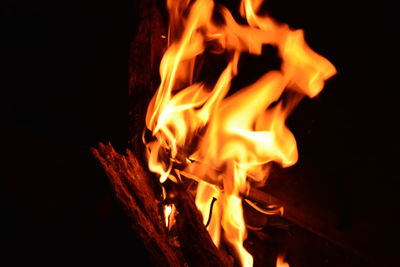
(227, 142)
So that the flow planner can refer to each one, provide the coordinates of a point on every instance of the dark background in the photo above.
(64, 89)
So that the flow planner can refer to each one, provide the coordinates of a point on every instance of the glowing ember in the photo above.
(227, 142)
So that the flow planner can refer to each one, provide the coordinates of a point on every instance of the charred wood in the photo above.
(140, 195)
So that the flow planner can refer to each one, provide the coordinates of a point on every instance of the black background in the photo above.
(64, 89)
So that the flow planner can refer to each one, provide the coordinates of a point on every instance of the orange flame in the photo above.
(227, 142)
(280, 262)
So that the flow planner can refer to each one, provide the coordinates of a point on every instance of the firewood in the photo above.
(145, 54)
(196, 243)
(140, 195)
(136, 192)
(321, 224)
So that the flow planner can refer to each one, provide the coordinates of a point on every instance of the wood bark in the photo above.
(321, 224)
(136, 192)
(145, 54)
(141, 197)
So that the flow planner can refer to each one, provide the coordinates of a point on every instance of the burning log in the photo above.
(144, 57)
(322, 225)
(137, 194)
(141, 197)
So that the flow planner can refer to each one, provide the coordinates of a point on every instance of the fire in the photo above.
(167, 213)
(280, 262)
(226, 141)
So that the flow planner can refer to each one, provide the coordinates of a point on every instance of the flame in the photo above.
(167, 213)
(226, 142)
(280, 262)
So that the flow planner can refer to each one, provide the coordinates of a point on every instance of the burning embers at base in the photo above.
(226, 141)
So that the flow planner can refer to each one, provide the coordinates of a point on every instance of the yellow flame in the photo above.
(167, 212)
(227, 142)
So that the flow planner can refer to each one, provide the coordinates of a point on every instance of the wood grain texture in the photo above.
(140, 195)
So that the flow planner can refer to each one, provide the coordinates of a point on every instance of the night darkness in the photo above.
(64, 89)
